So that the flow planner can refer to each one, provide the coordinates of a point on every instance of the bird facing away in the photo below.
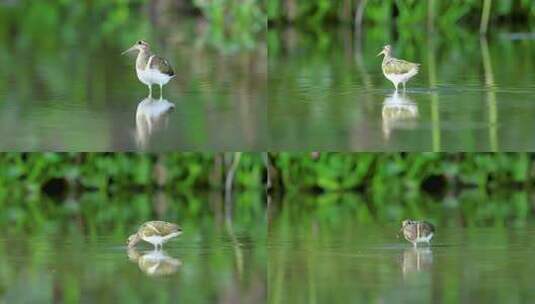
(154, 232)
(151, 69)
(417, 231)
(397, 70)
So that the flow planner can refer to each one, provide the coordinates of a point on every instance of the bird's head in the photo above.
(387, 50)
(176, 229)
(404, 224)
(140, 45)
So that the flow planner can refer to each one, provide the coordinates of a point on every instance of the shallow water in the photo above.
(301, 248)
(327, 92)
(75, 269)
(73, 93)
(346, 250)
(74, 251)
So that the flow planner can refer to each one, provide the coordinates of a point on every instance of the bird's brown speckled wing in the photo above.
(398, 66)
(157, 228)
(426, 228)
(162, 65)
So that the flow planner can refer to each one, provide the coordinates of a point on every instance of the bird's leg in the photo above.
(396, 85)
(404, 88)
(415, 244)
(150, 90)
(161, 91)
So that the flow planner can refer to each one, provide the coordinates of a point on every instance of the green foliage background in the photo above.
(374, 172)
(231, 24)
(401, 12)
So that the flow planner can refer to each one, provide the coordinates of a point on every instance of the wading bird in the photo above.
(397, 70)
(151, 69)
(417, 231)
(154, 232)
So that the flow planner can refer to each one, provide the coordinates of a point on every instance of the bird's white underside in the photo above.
(424, 239)
(401, 78)
(153, 76)
(158, 240)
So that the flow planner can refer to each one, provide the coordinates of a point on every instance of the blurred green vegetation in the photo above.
(373, 173)
(111, 192)
(229, 25)
(402, 13)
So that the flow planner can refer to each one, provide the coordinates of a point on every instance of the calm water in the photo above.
(345, 250)
(327, 91)
(75, 92)
(301, 248)
(74, 251)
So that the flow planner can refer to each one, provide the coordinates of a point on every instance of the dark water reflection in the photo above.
(327, 91)
(343, 248)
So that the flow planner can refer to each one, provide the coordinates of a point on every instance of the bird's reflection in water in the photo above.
(417, 260)
(155, 262)
(399, 111)
(151, 116)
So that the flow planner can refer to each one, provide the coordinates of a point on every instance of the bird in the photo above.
(397, 70)
(151, 69)
(154, 232)
(417, 231)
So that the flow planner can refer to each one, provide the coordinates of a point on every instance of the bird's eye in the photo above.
(139, 42)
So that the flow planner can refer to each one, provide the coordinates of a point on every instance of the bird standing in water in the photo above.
(397, 70)
(151, 69)
(154, 232)
(417, 231)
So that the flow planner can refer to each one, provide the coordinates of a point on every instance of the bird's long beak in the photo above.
(129, 50)
(381, 53)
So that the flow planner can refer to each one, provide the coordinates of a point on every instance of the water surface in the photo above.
(73, 91)
(336, 249)
(74, 250)
(327, 91)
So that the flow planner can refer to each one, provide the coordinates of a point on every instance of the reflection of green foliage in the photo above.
(472, 207)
